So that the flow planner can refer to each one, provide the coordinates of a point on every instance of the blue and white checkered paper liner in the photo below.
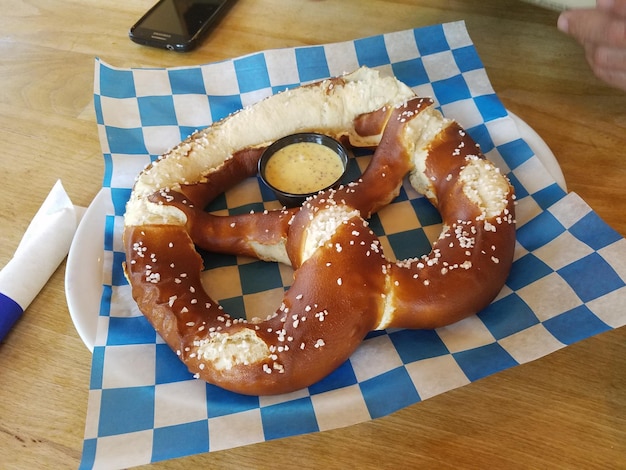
(567, 282)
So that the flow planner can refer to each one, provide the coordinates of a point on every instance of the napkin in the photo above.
(44, 245)
(567, 281)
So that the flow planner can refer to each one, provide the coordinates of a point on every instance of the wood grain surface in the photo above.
(567, 410)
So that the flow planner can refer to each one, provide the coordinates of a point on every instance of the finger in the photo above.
(617, 7)
(593, 26)
(614, 78)
(607, 58)
(609, 65)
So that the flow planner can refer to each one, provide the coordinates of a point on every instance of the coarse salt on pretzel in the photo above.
(343, 284)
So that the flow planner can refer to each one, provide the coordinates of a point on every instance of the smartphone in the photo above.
(178, 25)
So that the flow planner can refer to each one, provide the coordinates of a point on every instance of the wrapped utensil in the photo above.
(40, 252)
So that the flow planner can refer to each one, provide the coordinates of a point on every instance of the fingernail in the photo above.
(562, 23)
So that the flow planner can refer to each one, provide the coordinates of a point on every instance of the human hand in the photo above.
(602, 33)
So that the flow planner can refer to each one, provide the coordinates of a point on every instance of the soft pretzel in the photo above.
(343, 284)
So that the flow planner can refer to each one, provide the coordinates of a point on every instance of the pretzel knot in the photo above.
(343, 284)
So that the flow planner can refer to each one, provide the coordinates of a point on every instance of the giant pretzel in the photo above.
(343, 285)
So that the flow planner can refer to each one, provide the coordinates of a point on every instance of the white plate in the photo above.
(541, 149)
(564, 4)
(83, 272)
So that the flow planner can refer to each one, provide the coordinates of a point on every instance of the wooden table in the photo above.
(567, 410)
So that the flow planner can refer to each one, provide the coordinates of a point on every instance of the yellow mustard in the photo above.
(303, 168)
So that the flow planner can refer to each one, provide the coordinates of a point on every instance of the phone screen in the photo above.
(184, 17)
(176, 24)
